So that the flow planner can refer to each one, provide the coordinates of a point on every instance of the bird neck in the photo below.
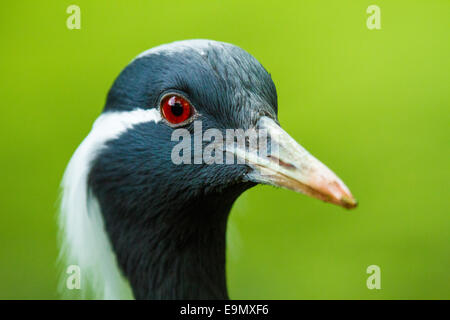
(184, 256)
(189, 263)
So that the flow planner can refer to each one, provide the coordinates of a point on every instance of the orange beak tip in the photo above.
(349, 202)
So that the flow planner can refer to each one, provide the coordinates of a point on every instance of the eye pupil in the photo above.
(177, 109)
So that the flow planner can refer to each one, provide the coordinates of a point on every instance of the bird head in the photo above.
(187, 127)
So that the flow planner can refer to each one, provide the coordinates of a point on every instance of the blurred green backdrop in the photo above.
(374, 105)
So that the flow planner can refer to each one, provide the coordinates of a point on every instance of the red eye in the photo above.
(175, 109)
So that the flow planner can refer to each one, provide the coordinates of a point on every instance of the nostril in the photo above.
(281, 162)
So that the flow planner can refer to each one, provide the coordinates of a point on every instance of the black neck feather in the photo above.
(176, 254)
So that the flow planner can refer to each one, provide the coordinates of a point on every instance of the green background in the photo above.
(371, 104)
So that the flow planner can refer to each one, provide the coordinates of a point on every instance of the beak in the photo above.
(288, 165)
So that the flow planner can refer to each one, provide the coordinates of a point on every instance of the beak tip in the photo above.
(349, 202)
